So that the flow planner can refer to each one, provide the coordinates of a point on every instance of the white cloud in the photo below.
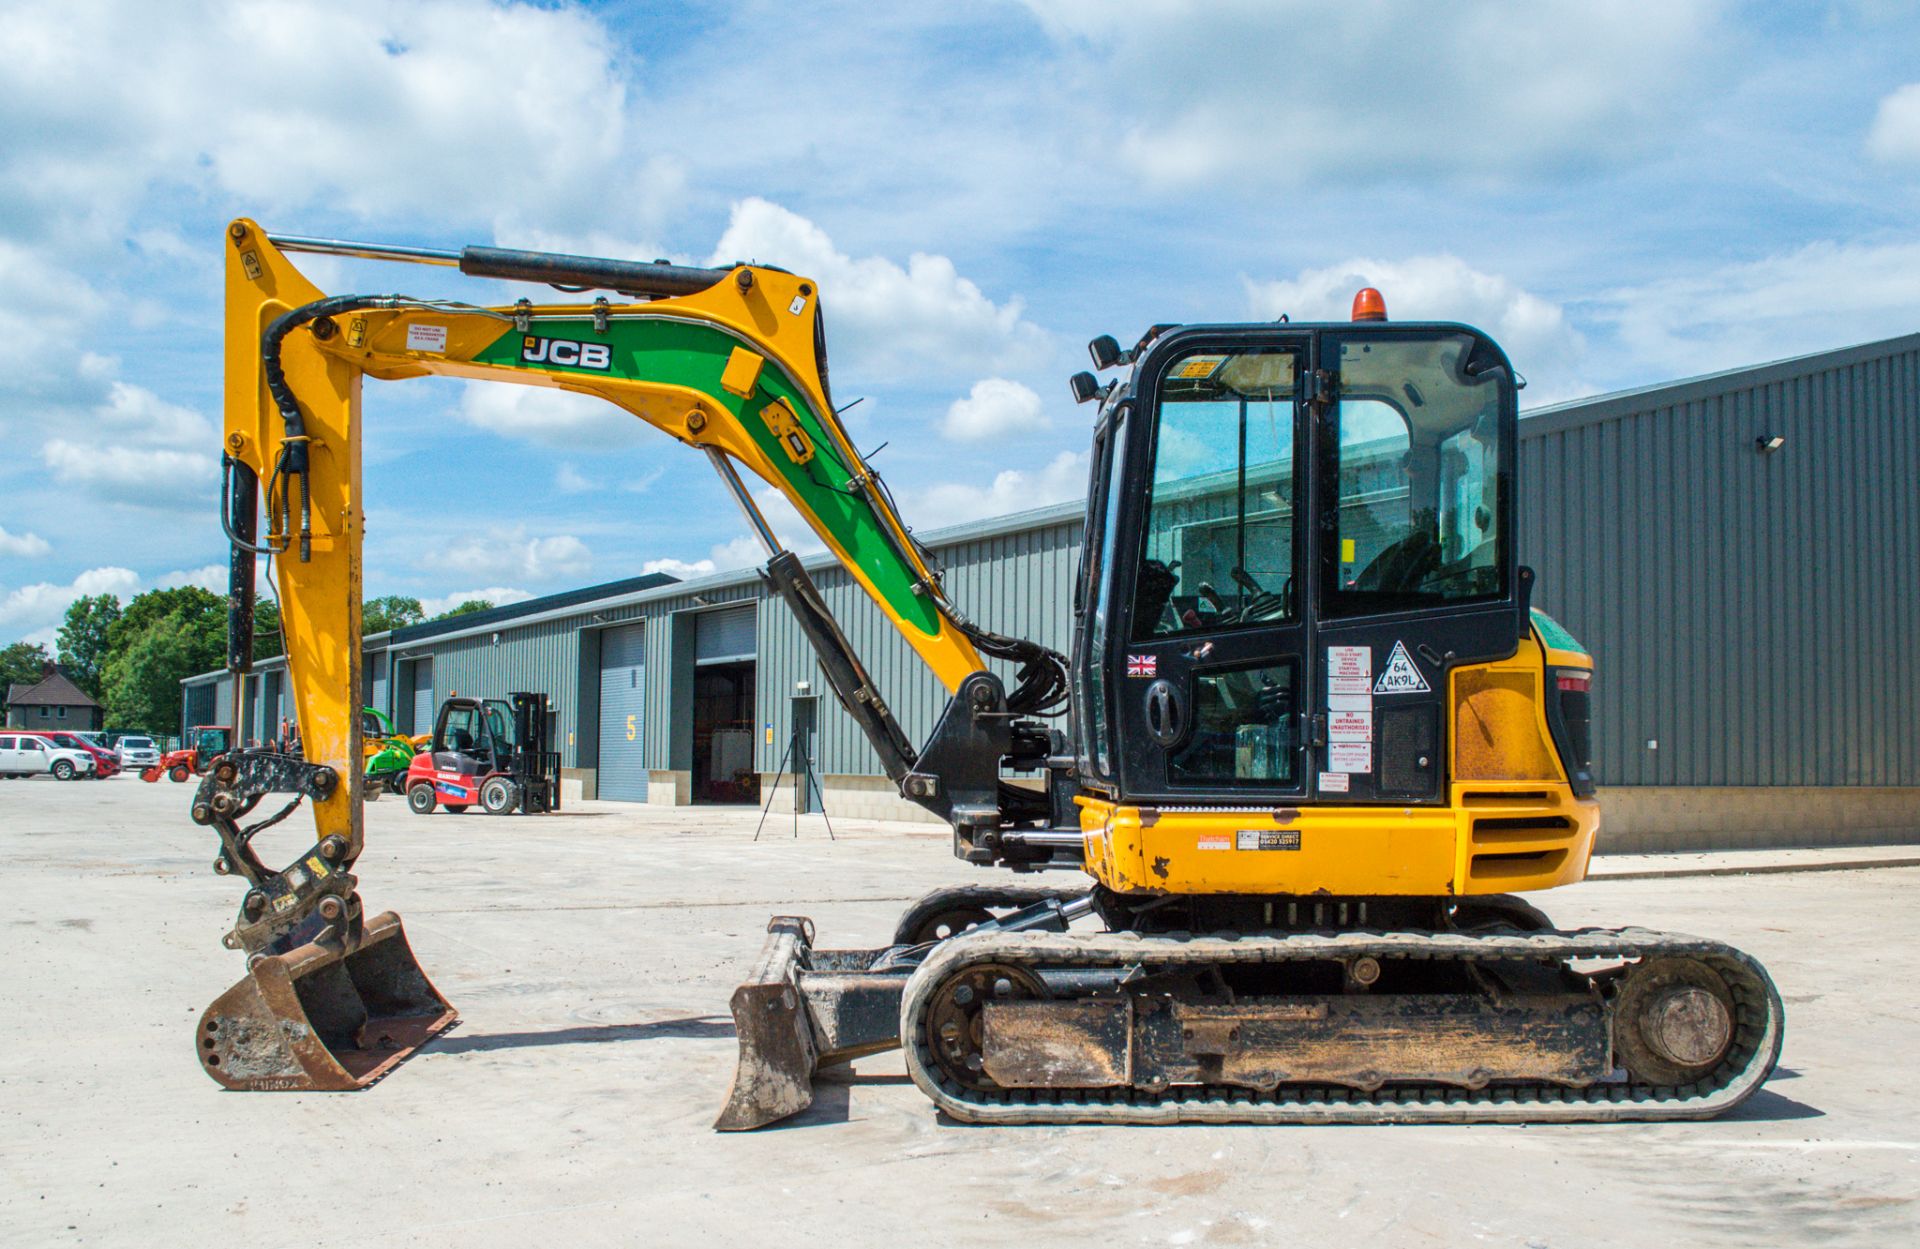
(744, 551)
(1895, 136)
(208, 577)
(1820, 296)
(163, 480)
(544, 414)
(569, 480)
(680, 568)
(498, 595)
(107, 99)
(1535, 332)
(137, 414)
(994, 408)
(33, 612)
(510, 553)
(43, 312)
(22, 545)
(886, 320)
(1385, 90)
(1013, 490)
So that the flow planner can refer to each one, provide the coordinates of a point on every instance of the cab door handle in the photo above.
(1166, 716)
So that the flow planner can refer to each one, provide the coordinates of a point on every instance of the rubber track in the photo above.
(1758, 1023)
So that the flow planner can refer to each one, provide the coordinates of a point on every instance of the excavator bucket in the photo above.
(800, 1010)
(314, 1019)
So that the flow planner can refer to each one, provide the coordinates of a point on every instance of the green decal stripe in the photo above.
(680, 353)
(1554, 634)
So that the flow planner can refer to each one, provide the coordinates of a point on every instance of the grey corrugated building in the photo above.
(1736, 550)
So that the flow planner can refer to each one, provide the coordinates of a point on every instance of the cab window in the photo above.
(1422, 476)
(1219, 532)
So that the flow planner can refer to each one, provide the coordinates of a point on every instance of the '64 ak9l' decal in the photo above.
(564, 351)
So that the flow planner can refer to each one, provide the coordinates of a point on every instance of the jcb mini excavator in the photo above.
(1316, 739)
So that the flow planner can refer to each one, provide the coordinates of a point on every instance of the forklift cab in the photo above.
(473, 737)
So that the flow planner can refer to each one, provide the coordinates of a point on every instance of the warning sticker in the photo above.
(1333, 782)
(427, 338)
(1267, 839)
(1400, 676)
(1350, 757)
(1198, 366)
(1350, 726)
(1349, 685)
(1350, 702)
(1214, 841)
(1349, 661)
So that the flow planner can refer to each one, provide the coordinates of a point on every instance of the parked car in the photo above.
(29, 754)
(138, 752)
(105, 762)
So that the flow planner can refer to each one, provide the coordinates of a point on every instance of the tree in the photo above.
(467, 608)
(21, 664)
(143, 680)
(378, 615)
(163, 637)
(267, 641)
(84, 639)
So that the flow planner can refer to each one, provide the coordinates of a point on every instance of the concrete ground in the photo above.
(591, 955)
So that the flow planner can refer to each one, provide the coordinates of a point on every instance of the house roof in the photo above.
(53, 691)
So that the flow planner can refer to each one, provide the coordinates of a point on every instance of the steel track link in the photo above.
(1757, 1033)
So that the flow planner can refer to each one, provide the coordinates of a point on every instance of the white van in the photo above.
(23, 754)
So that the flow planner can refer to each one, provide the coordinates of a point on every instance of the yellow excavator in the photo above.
(1309, 743)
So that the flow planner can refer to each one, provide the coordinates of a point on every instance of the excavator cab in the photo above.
(1272, 507)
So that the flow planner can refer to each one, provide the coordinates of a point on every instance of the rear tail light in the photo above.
(1575, 682)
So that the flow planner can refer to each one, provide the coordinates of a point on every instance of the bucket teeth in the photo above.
(774, 1076)
(317, 1019)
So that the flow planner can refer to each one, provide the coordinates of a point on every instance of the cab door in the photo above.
(1207, 662)
(1413, 431)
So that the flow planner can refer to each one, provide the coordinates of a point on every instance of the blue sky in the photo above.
(1622, 194)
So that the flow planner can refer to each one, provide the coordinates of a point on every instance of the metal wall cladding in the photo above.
(1018, 583)
(540, 658)
(1755, 614)
(623, 713)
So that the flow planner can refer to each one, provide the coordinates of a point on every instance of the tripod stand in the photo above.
(804, 781)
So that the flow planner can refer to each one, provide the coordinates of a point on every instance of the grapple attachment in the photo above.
(319, 1018)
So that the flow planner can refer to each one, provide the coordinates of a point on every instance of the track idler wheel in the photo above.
(956, 1018)
(1673, 1021)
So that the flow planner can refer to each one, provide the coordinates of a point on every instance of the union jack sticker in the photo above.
(1143, 665)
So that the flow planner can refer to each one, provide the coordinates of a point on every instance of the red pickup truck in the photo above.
(105, 762)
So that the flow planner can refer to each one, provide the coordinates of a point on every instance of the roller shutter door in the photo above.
(378, 698)
(623, 714)
(721, 636)
(423, 704)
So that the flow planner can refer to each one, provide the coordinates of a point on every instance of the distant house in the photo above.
(52, 703)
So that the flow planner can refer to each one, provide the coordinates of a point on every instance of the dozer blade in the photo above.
(774, 1076)
(314, 1019)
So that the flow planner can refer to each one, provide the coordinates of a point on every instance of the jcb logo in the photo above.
(562, 351)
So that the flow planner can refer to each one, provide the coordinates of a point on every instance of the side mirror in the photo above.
(1085, 387)
(1106, 352)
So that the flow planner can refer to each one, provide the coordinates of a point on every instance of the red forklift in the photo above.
(487, 752)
